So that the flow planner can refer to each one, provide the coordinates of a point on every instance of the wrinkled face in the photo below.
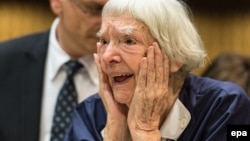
(77, 28)
(124, 42)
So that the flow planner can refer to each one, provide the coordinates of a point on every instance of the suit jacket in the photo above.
(22, 64)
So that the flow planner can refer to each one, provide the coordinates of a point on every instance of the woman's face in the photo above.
(124, 42)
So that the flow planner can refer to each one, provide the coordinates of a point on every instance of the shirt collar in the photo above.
(176, 122)
(89, 64)
(57, 57)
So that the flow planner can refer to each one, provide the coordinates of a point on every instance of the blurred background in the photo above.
(224, 25)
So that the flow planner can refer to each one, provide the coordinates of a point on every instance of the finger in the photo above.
(97, 58)
(166, 68)
(150, 83)
(98, 44)
(142, 77)
(150, 67)
(103, 80)
(100, 73)
(138, 97)
(104, 88)
(97, 62)
(158, 64)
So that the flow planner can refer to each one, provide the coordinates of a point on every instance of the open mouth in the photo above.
(122, 77)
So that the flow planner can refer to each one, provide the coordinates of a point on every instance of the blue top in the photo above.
(212, 104)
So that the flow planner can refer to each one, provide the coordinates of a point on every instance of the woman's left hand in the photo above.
(153, 97)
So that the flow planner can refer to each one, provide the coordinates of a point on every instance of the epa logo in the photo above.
(238, 134)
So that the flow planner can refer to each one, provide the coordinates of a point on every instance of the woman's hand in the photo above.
(116, 127)
(153, 97)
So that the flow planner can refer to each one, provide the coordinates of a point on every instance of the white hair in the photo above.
(169, 24)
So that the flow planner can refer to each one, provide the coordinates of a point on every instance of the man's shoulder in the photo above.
(20, 46)
(25, 40)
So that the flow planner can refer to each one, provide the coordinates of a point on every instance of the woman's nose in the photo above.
(111, 55)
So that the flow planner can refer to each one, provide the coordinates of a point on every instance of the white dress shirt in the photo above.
(86, 81)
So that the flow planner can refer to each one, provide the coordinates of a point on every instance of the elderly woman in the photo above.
(146, 50)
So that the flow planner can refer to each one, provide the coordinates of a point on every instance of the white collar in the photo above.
(176, 122)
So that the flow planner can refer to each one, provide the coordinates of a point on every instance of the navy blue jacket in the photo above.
(212, 104)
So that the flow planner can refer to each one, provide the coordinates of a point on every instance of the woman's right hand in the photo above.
(116, 127)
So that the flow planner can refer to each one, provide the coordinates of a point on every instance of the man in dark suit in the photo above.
(32, 69)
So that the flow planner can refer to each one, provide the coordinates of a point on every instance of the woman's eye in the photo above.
(129, 41)
(103, 41)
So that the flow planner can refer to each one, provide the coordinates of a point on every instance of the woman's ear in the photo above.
(56, 6)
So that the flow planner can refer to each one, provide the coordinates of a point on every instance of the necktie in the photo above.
(66, 101)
